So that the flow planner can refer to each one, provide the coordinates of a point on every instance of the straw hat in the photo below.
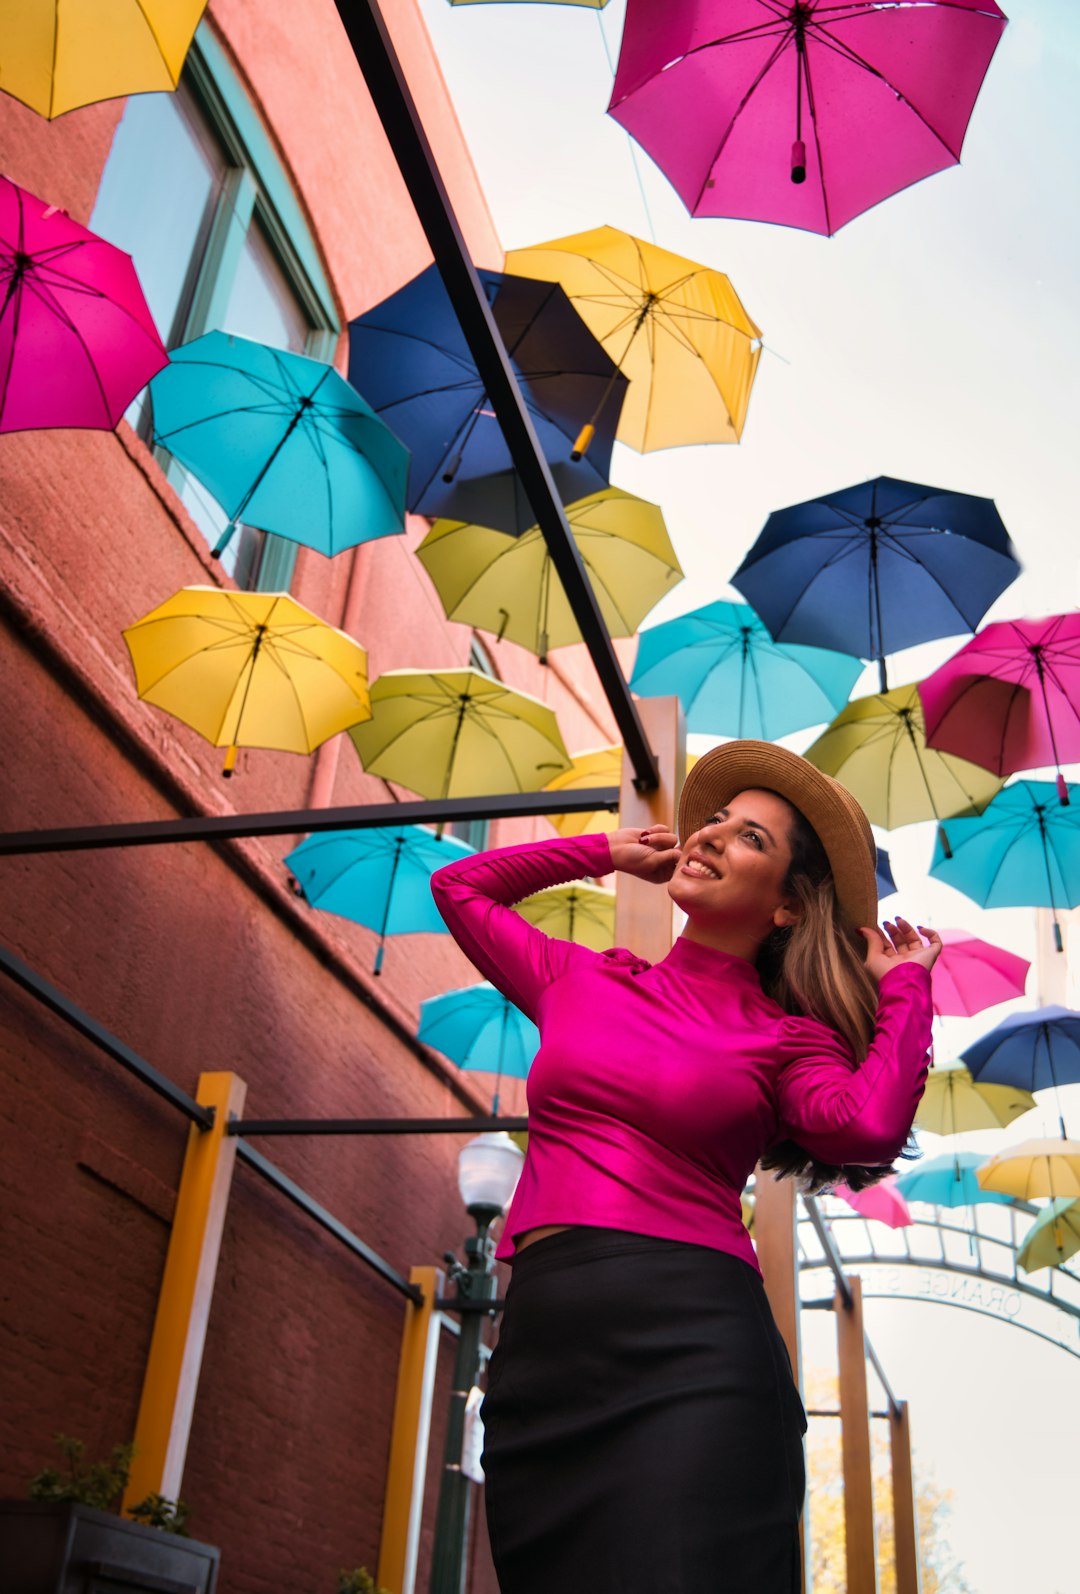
(838, 821)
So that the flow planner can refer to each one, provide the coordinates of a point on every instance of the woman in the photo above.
(643, 1431)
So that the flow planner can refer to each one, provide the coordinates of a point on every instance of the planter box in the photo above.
(72, 1549)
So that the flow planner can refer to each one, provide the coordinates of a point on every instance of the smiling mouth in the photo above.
(700, 869)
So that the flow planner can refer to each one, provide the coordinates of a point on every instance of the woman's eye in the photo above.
(752, 835)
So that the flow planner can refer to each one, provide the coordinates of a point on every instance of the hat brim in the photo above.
(836, 818)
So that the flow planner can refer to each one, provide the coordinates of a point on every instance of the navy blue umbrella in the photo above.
(878, 567)
(409, 358)
(1035, 1051)
(886, 885)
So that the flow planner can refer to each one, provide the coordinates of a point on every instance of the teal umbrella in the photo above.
(283, 443)
(948, 1181)
(378, 878)
(479, 1028)
(734, 680)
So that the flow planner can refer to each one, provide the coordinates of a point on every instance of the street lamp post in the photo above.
(488, 1169)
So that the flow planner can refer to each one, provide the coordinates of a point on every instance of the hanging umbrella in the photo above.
(878, 567)
(56, 57)
(508, 584)
(599, 766)
(409, 358)
(378, 878)
(281, 441)
(881, 1202)
(734, 680)
(77, 340)
(1010, 699)
(480, 1029)
(948, 1181)
(1023, 852)
(805, 114)
(458, 733)
(592, 5)
(1052, 1238)
(1039, 1050)
(953, 1104)
(886, 885)
(1035, 1168)
(580, 913)
(249, 669)
(877, 749)
(677, 329)
(971, 974)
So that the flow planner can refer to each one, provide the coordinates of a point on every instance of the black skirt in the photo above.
(643, 1433)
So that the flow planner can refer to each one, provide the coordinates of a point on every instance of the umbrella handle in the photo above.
(230, 760)
(224, 540)
(798, 161)
(582, 441)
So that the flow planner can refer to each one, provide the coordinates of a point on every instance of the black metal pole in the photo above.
(375, 54)
(374, 1126)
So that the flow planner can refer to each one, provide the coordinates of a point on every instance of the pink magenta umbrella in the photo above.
(1010, 699)
(883, 1202)
(77, 340)
(971, 974)
(805, 114)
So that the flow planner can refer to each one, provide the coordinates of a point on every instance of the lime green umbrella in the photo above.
(581, 913)
(1052, 1238)
(953, 1103)
(458, 733)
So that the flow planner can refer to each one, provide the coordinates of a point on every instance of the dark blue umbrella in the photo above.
(1036, 1051)
(409, 358)
(878, 567)
(886, 885)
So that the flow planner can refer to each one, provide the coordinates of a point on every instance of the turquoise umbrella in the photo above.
(948, 1181)
(283, 443)
(477, 1027)
(734, 680)
(378, 878)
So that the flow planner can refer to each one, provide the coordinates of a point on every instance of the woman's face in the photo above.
(731, 872)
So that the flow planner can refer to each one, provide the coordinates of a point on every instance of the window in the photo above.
(195, 193)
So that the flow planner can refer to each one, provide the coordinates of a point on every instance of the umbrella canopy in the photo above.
(677, 329)
(1052, 1238)
(805, 114)
(734, 680)
(580, 913)
(378, 878)
(886, 885)
(1010, 699)
(458, 733)
(282, 442)
(948, 1181)
(953, 1104)
(1035, 1168)
(598, 766)
(971, 974)
(878, 567)
(409, 358)
(57, 57)
(249, 669)
(480, 1029)
(1036, 1051)
(882, 1202)
(77, 340)
(592, 5)
(877, 749)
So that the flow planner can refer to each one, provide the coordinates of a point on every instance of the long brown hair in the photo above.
(816, 967)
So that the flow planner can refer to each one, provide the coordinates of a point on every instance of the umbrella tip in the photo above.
(230, 761)
(1062, 790)
(223, 541)
(798, 161)
(582, 441)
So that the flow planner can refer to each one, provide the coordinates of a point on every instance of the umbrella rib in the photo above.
(744, 102)
(153, 34)
(65, 320)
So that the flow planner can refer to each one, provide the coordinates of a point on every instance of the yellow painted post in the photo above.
(905, 1520)
(861, 1546)
(775, 1217)
(407, 1468)
(642, 909)
(187, 1287)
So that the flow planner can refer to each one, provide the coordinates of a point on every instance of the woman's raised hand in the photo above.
(651, 854)
(901, 943)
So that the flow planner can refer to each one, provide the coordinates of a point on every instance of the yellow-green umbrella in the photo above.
(1035, 1168)
(508, 584)
(578, 912)
(54, 57)
(1052, 1238)
(458, 733)
(953, 1103)
(876, 747)
(249, 669)
(677, 329)
(599, 766)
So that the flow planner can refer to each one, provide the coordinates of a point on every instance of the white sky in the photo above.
(935, 339)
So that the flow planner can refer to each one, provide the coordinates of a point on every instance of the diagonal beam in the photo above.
(375, 54)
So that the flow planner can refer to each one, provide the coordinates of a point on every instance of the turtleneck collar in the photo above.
(692, 958)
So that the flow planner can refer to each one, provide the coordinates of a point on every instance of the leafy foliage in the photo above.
(171, 1516)
(95, 1483)
(359, 1581)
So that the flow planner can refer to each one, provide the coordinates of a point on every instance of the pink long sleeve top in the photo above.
(658, 1086)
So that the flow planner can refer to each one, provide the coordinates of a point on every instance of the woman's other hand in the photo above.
(650, 854)
(901, 943)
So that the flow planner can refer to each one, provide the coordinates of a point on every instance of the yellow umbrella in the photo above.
(580, 913)
(508, 584)
(1052, 1238)
(600, 766)
(677, 329)
(1034, 1168)
(458, 733)
(55, 57)
(249, 669)
(876, 747)
(953, 1103)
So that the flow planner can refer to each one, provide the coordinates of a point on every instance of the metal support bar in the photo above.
(56, 1002)
(389, 90)
(375, 1126)
(298, 821)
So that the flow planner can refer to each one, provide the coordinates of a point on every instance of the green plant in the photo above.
(358, 1582)
(171, 1516)
(94, 1483)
